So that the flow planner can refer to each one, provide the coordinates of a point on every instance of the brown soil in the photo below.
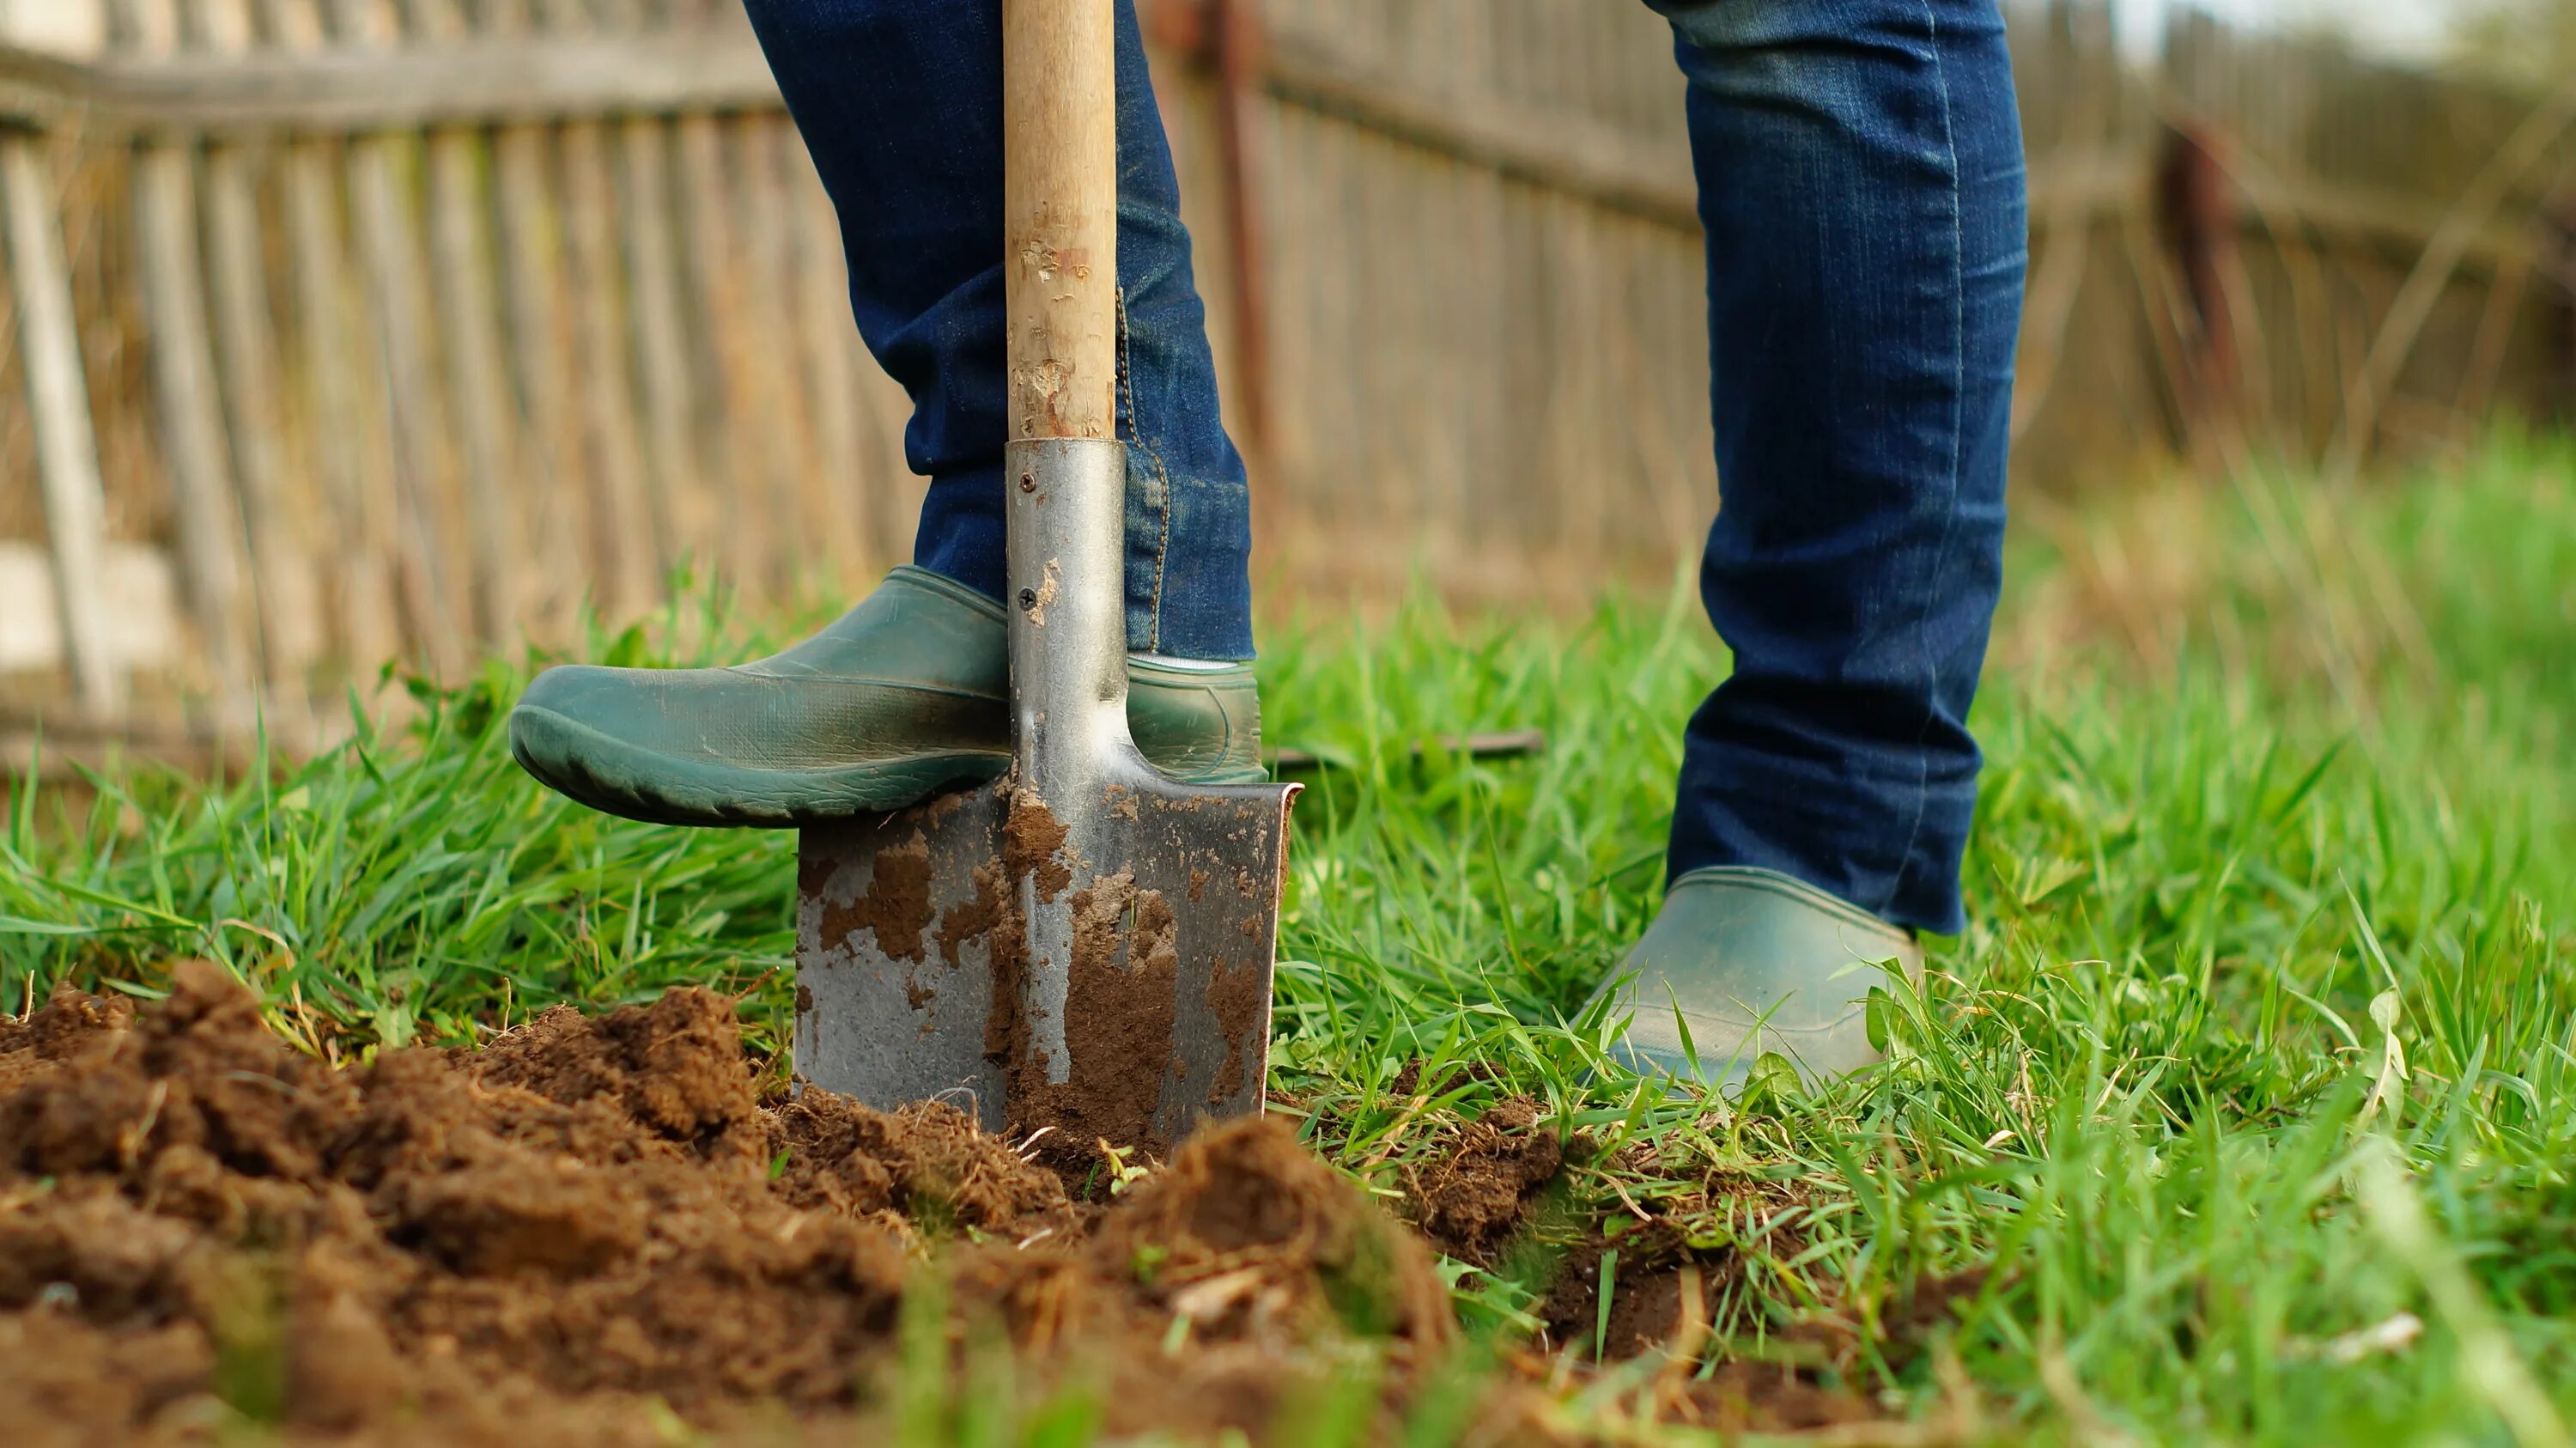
(1660, 1286)
(1476, 1195)
(594, 1230)
(591, 1214)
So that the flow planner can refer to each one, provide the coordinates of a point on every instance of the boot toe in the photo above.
(584, 695)
(1721, 1050)
(574, 730)
(1741, 963)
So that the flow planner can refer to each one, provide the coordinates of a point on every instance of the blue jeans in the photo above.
(1860, 181)
(900, 102)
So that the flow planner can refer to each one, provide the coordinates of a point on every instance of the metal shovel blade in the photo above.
(1082, 945)
(969, 949)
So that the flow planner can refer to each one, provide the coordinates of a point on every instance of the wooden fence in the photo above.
(405, 328)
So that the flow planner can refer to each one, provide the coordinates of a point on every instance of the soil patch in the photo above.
(1475, 1196)
(594, 1229)
(598, 1221)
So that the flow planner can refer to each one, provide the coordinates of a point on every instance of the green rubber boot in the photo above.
(1753, 962)
(906, 693)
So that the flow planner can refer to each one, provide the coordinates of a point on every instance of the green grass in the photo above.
(2256, 1054)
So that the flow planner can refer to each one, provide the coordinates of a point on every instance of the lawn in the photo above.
(2244, 1111)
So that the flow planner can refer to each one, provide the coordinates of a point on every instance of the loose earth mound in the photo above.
(595, 1230)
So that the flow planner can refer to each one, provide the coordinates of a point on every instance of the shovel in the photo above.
(1081, 947)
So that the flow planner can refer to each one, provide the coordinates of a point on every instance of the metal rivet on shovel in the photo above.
(1082, 944)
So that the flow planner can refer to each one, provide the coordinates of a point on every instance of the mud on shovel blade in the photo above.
(1082, 945)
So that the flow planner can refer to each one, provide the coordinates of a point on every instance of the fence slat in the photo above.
(385, 221)
(58, 397)
(202, 488)
(194, 450)
(624, 515)
(344, 439)
(386, 226)
(468, 308)
(553, 490)
(739, 479)
(246, 350)
(787, 436)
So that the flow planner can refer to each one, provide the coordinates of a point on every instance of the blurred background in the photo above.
(348, 332)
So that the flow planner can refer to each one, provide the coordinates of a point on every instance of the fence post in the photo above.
(2196, 216)
(1238, 44)
(58, 397)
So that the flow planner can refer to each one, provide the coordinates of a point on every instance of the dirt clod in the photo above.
(1248, 1222)
(1475, 1196)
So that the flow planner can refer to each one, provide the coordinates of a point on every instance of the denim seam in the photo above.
(1958, 442)
(1162, 480)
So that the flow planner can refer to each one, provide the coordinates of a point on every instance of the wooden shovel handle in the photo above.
(1060, 214)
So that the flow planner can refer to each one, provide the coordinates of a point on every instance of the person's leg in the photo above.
(900, 103)
(1861, 184)
(1860, 178)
